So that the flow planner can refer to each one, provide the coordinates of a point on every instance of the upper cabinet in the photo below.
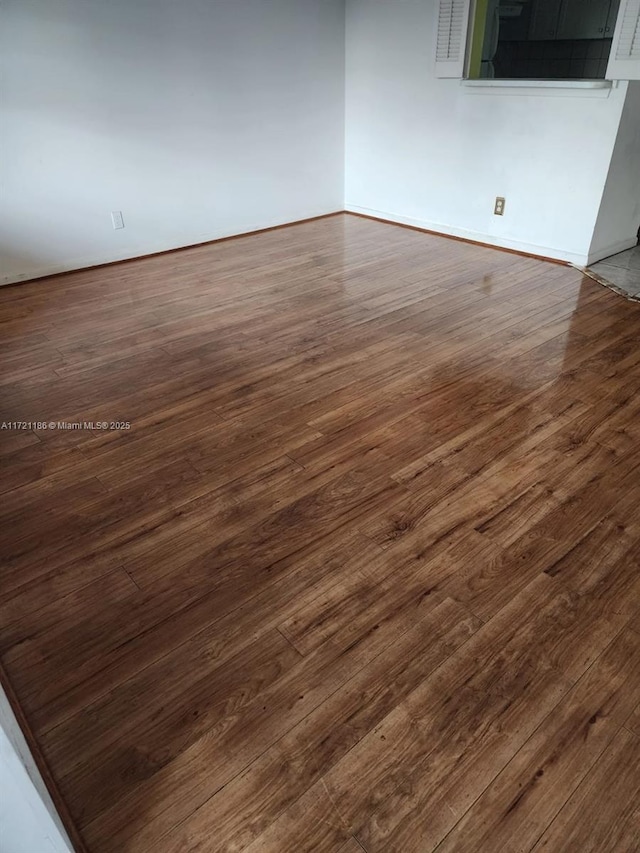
(584, 19)
(544, 20)
(573, 19)
(614, 8)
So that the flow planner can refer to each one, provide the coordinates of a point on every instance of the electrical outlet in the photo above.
(116, 218)
(499, 207)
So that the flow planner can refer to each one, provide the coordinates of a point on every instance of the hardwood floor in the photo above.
(364, 572)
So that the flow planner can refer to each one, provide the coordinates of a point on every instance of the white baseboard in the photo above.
(145, 250)
(474, 236)
(613, 249)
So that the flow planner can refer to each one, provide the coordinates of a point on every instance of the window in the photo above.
(539, 39)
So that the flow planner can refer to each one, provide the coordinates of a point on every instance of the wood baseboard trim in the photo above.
(519, 252)
(71, 829)
(177, 249)
(421, 230)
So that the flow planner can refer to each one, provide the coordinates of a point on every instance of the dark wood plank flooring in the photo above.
(364, 572)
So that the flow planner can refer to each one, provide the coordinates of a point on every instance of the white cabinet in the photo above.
(583, 19)
(610, 26)
(544, 20)
(572, 19)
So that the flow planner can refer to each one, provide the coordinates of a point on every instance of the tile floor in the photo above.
(622, 271)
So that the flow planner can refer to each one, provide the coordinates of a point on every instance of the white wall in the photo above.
(28, 820)
(196, 118)
(434, 153)
(204, 118)
(619, 217)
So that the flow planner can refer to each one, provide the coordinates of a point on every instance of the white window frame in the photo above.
(454, 29)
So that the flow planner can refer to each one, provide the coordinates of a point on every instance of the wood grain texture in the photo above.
(362, 574)
(611, 792)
